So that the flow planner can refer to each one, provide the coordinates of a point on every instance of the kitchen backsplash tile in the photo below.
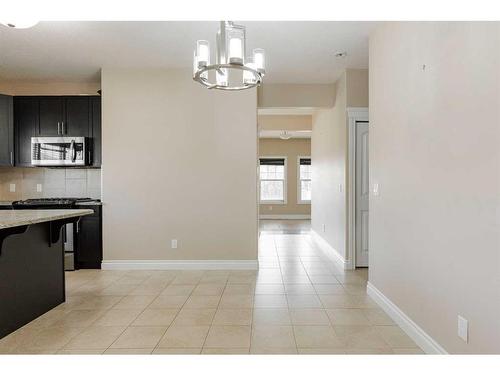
(54, 182)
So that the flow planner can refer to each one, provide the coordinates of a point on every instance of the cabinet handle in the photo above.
(11, 158)
(58, 128)
(62, 126)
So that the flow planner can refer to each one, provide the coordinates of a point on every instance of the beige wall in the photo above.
(285, 122)
(329, 154)
(434, 150)
(296, 95)
(328, 149)
(179, 162)
(9, 87)
(292, 149)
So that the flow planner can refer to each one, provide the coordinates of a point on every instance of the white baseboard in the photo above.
(412, 329)
(285, 217)
(329, 251)
(180, 265)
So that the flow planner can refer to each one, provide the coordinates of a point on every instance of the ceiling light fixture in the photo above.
(285, 135)
(229, 61)
(19, 24)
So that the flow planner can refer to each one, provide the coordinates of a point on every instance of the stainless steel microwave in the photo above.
(59, 151)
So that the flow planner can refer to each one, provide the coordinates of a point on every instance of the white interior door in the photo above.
(362, 194)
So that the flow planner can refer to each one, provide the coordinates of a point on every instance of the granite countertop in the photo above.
(15, 218)
(5, 203)
(91, 203)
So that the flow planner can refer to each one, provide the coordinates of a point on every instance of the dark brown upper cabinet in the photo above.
(6, 131)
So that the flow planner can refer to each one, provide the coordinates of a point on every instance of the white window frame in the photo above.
(285, 181)
(299, 188)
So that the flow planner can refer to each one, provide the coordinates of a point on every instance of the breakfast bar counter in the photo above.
(31, 264)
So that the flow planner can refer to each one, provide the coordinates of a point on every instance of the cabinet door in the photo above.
(89, 243)
(6, 131)
(96, 131)
(51, 115)
(77, 121)
(26, 122)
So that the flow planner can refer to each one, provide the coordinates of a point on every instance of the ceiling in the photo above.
(296, 52)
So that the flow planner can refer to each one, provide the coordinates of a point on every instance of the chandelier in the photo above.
(232, 70)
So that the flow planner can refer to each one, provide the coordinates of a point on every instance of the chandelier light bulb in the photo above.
(235, 51)
(259, 59)
(203, 53)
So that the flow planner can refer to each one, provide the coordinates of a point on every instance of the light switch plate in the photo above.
(463, 328)
(12, 188)
(340, 188)
(174, 244)
(39, 188)
(376, 189)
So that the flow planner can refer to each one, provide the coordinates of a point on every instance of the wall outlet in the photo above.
(38, 188)
(341, 188)
(173, 244)
(463, 328)
(12, 188)
(376, 189)
(324, 228)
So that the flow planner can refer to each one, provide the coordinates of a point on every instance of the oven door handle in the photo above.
(73, 151)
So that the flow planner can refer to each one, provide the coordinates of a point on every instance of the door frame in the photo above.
(354, 115)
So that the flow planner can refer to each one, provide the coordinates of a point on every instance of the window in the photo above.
(273, 180)
(304, 180)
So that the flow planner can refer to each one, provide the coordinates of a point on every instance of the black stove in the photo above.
(49, 203)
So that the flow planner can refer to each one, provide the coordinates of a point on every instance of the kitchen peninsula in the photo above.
(31, 263)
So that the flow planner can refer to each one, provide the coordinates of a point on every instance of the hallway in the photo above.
(296, 303)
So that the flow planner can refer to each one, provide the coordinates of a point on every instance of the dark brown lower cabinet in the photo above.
(88, 240)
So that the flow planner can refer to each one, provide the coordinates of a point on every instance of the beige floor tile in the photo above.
(305, 301)
(208, 290)
(272, 336)
(177, 351)
(134, 302)
(273, 351)
(178, 290)
(323, 279)
(50, 338)
(309, 317)
(194, 317)
(269, 289)
(366, 351)
(233, 317)
(271, 317)
(168, 302)
(299, 289)
(317, 337)
(147, 290)
(117, 317)
(81, 351)
(275, 301)
(329, 289)
(47, 320)
(117, 290)
(326, 351)
(134, 351)
(18, 338)
(241, 279)
(361, 337)
(349, 278)
(396, 337)
(224, 351)
(363, 302)
(236, 302)
(202, 302)
(184, 337)
(337, 301)
(355, 289)
(23, 351)
(98, 302)
(228, 337)
(78, 318)
(378, 317)
(95, 338)
(139, 337)
(156, 317)
(347, 317)
(239, 289)
(407, 351)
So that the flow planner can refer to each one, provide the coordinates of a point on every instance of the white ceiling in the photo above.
(296, 52)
